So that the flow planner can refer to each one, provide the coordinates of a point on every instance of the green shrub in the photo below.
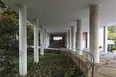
(100, 46)
(113, 48)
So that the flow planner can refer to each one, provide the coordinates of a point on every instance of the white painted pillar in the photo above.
(79, 37)
(69, 39)
(36, 41)
(22, 40)
(41, 41)
(88, 40)
(105, 38)
(66, 40)
(70, 45)
(73, 33)
(67, 44)
(94, 32)
(45, 39)
(49, 40)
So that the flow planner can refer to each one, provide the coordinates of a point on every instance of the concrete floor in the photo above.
(107, 65)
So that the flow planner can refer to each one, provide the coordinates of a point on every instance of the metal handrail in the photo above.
(91, 61)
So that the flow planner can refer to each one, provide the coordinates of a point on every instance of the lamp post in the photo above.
(2, 5)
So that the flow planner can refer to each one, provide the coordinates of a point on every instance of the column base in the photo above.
(46, 46)
(73, 49)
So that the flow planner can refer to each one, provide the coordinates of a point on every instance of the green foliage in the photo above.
(73, 72)
(100, 46)
(9, 29)
(113, 48)
(30, 34)
(112, 33)
(112, 36)
(115, 43)
(112, 29)
(50, 65)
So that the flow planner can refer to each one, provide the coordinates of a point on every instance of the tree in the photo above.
(10, 28)
(112, 29)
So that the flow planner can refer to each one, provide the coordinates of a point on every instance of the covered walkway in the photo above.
(71, 18)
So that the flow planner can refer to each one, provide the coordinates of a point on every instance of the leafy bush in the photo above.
(50, 65)
(100, 46)
(73, 72)
(113, 48)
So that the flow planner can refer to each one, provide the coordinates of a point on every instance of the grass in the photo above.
(50, 65)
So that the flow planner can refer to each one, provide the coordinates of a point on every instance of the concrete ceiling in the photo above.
(57, 16)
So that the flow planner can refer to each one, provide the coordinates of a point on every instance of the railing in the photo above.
(87, 58)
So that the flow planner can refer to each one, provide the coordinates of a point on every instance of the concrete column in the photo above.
(41, 41)
(79, 36)
(94, 32)
(88, 40)
(36, 41)
(105, 38)
(48, 40)
(70, 45)
(67, 44)
(66, 40)
(69, 39)
(22, 40)
(45, 39)
(73, 33)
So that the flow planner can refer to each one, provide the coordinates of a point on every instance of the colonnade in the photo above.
(71, 38)
(76, 42)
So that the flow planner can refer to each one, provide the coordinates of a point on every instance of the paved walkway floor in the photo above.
(107, 65)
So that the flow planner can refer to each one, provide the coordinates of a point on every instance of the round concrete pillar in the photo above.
(94, 32)
(69, 39)
(45, 39)
(105, 38)
(73, 33)
(66, 40)
(79, 36)
(22, 39)
(70, 45)
(36, 41)
(41, 41)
